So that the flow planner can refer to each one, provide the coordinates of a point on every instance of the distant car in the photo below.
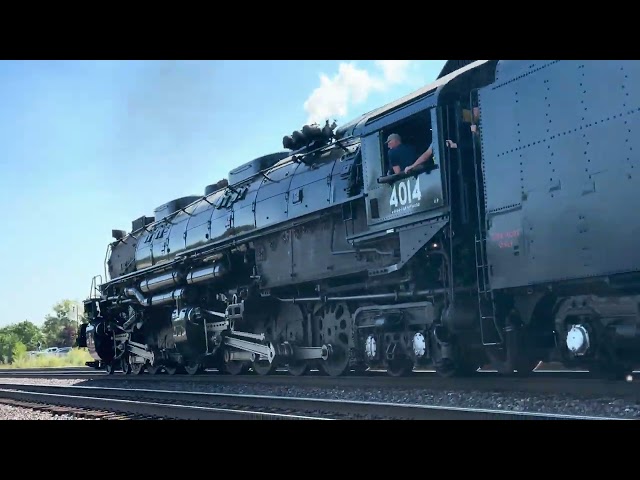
(64, 350)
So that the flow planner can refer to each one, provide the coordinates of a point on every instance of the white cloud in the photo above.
(394, 71)
(352, 86)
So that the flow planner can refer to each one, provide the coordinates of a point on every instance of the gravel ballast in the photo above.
(9, 412)
(513, 401)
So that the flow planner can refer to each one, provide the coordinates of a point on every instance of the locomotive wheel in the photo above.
(335, 324)
(236, 368)
(126, 365)
(609, 372)
(447, 367)
(170, 369)
(359, 368)
(193, 368)
(525, 363)
(153, 369)
(400, 367)
(608, 367)
(298, 368)
(290, 327)
(109, 368)
(263, 367)
(137, 368)
(526, 366)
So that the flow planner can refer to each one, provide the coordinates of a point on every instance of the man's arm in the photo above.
(394, 161)
(421, 159)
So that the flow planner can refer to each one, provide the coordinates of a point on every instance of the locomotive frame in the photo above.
(316, 256)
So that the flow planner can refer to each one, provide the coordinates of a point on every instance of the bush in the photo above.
(19, 351)
(75, 358)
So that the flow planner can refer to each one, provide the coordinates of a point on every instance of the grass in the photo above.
(75, 358)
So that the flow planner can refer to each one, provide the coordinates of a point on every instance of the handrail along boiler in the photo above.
(497, 251)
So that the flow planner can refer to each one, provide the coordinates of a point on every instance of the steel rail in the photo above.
(146, 408)
(580, 386)
(325, 407)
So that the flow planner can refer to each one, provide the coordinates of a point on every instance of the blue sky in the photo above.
(88, 146)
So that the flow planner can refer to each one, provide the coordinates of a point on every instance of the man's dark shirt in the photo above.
(402, 156)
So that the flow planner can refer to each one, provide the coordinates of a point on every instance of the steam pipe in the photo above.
(159, 299)
(374, 296)
(134, 292)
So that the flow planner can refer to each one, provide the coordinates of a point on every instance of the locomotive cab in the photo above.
(393, 196)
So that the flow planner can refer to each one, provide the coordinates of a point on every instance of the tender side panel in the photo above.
(561, 162)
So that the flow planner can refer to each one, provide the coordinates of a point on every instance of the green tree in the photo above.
(7, 343)
(60, 329)
(28, 333)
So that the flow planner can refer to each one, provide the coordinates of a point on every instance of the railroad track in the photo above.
(168, 404)
(85, 372)
(549, 368)
(573, 383)
(72, 411)
(72, 401)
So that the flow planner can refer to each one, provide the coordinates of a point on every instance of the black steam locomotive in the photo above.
(512, 244)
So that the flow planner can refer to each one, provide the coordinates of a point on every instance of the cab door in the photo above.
(393, 197)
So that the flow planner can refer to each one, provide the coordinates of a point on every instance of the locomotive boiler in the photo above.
(510, 245)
